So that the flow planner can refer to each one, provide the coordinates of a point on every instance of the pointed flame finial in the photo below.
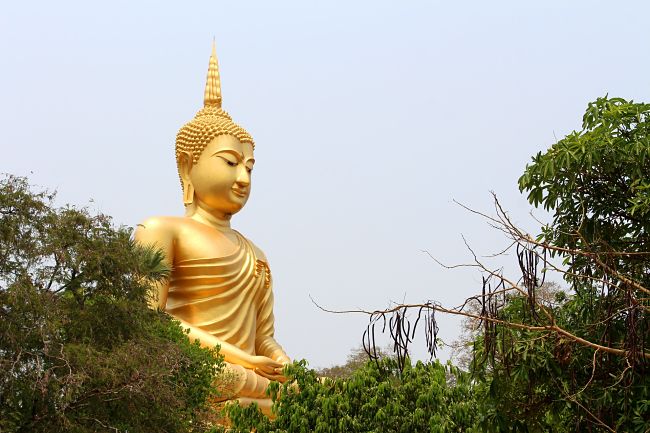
(212, 96)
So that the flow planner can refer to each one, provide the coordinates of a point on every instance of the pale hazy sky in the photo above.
(369, 118)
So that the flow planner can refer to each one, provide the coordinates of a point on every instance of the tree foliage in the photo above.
(597, 184)
(580, 362)
(79, 349)
(375, 398)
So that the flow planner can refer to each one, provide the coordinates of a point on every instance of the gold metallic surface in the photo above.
(212, 95)
(220, 287)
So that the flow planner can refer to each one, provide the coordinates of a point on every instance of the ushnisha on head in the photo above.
(211, 125)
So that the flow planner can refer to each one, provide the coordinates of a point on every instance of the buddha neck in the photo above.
(217, 220)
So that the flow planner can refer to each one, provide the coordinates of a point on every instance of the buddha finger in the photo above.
(275, 377)
(268, 369)
(266, 363)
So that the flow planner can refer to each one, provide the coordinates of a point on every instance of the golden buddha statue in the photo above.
(220, 287)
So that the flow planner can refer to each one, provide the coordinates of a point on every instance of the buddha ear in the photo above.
(184, 167)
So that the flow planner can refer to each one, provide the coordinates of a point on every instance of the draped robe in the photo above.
(231, 298)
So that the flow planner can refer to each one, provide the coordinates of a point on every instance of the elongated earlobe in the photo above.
(185, 166)
(188, 193)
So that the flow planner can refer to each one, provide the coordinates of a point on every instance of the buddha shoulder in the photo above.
(157, 230)
(259, 254)
(169, 226)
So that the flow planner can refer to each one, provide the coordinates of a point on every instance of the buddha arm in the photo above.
(231, 353)
(263, 365)
(265, 343)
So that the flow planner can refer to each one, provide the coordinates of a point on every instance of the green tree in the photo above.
(375, 398)
(580, 361)
(79, 349)
(596, 181)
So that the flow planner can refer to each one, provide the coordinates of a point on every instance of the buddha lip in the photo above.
(239, 192)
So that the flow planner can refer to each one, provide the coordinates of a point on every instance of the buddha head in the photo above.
(214, 155)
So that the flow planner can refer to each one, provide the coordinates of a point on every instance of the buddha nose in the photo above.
(243, 176)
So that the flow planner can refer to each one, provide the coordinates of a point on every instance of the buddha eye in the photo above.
(228, 161)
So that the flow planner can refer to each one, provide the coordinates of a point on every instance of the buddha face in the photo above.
(221, 177)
